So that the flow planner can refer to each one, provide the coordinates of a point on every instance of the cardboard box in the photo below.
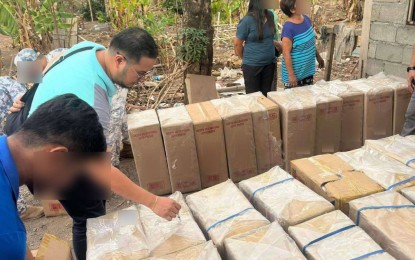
(222, 211)
(409, 193)
(165, 237)
(279, 197)
(397, 147)
(180, 146)
(267, 130)
(200, 88)
(386, 171)
(334, 236)
(378, 114)
(205, 251)
(117, 235)
(352, 113)
(53, 248)
(210, 143)
(239, 138)
(262, 243)
(147, 145)
(402, 96)
(298, 121)
(392, 228)
(328, 118)
(53, 208)
(333, 179)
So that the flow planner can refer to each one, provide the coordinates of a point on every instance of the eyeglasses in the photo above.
(140, 74)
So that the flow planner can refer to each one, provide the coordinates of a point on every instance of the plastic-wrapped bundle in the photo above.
(223, 211)
(335, 236)
(378, 113)
(268, 242)
(278, 196)
(298, 124)
(205, 251)
(352, 112)
(397, 147)
(409, 193)
(386, 171)
(165, 237)
(389, 218)
(118, 235)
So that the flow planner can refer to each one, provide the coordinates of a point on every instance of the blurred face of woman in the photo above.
(302, 7)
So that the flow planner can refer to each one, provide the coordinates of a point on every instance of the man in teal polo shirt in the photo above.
(61, 138)
(91, 76)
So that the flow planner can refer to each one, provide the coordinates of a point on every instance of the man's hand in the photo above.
(17, 105)
(166, 208)
(411, 78)
(293, 80)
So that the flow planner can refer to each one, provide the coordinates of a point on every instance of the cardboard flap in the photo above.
(200, 88)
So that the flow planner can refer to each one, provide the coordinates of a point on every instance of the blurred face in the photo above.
(53, 171)
(128, 73)
(302, 7)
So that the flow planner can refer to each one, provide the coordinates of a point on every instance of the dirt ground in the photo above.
(223, 56)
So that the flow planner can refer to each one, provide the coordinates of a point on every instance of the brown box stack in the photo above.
(210, 143)
(180, 146)
(352, 113)
(378, 114)
(239, 138)
(298, 117)
(147, 145)
(267, 131)
(334, 179)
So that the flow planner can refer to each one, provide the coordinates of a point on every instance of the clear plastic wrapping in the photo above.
(386, 171)
(352, 112)
(397, 147)
(409, 193)
(239, 138)
(164, 236)
(378, 113)
(180, 147)
(204, 251)
(389, 218)
(118, 235)
(298, 125)
(267, 130)
(280, 197)
(334, 236)
(267, 242)
(223, 211)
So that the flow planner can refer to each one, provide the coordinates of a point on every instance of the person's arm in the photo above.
(411, 74)
(320, 60)
(29, 255)
(238, 46)
(287, 46)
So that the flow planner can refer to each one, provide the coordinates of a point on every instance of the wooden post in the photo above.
(367, 16)
(90, 10)
(330, 53)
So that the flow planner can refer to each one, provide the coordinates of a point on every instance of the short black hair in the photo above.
(68, 121)
(286, 6)
(134, 43)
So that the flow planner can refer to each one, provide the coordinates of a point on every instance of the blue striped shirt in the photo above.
(303, 53)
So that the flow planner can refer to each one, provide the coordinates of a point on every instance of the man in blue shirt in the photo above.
(62, 138)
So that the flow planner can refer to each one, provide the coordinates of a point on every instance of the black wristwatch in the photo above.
(409, 69)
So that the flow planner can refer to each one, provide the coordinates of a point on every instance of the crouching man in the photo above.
(62, 138)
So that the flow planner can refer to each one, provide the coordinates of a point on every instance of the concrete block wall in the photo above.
(391, 40)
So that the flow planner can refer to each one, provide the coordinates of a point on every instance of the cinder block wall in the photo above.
(391, 40)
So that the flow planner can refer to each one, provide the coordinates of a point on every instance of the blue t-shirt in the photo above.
(303, 53)
(12, 230)
(81, 75)
(256, 52)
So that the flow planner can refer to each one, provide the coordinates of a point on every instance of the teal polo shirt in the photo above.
(81, 75)
(12, 230)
